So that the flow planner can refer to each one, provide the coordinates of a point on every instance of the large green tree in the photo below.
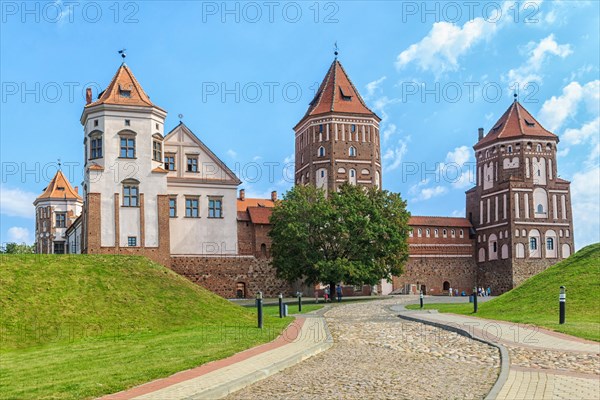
(355, 236)
(15, 248)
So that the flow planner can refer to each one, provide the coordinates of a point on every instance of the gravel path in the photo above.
(378, 356)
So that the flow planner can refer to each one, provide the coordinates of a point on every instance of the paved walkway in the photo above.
(542, 364)
(305, 337)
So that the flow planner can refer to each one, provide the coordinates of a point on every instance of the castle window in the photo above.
(95, 122)
(191, 207)
(533, 243)
(419, 232)
(427, 232)
(529, 123)
(130, 195)
(173, 207)
(170, 162)
(61, 220)
(96, 147)
(131, 241)
(352, 151)
(59, 247)
(321, 128)
(509, 149)
(156, 150)
(445, 233)
(192, 163)
(410, 233)
(453, 233)
(127, 147)
(352, 128)
(435, 232)
(461, 233)
(549, 244)
(321, 152)
(125, 93)
(540, 209)
(215, 208)
(127, 122)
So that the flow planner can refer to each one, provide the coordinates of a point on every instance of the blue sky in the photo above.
(242, 74)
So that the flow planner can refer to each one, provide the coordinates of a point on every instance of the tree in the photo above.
(15, 248)
(355, 236)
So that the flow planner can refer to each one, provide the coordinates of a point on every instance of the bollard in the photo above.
(299, 301)
(259, 307)
(421, 299)
(562, 302)
(475, 300)
(280, 305)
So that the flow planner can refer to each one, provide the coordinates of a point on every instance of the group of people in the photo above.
(326, 294)
(481, 292)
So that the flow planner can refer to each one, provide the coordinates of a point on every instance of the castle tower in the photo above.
(520, 208)
(126, 209)
(55, 210)
(337, 140)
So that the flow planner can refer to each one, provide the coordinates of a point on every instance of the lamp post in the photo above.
(475, 299)
(421, 298)
(280, 305)
(299, 294)
(562, 302)
(259, 307)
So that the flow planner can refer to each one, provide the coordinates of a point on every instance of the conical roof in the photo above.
(124, 89)
(514, 123)
(59, 189)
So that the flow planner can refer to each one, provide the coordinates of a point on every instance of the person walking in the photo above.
(326, 294)
(489, 291)
(316, 297)
(339, 293)
(450, 292)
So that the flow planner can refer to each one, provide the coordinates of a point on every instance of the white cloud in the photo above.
(558, 109)
(458, 213)
(457, 168)
(590, 130)
(388, 132)
(428, 193)
(460, 155)
(17, 202)
(585, 192)
(373, 87)
(393, 157)
(18, 234)
(231, 153)
(538, 53)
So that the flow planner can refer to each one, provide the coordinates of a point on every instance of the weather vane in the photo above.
(123, 54)
(180, 116)
(59, 164)
(336, 49)
(515, 96)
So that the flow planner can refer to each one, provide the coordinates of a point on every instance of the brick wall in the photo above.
(460, 272)
(222, 275)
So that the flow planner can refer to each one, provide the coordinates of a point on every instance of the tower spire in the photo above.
(335, 52)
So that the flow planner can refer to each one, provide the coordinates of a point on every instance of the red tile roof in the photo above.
(124, 81)
(243, 205)
(514, 123)
(260, 215)
(59, 188)
(439, 221)
(337, 93)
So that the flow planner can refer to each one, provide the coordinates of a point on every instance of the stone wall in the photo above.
(497, 275)
(459, 272)
(225, 275)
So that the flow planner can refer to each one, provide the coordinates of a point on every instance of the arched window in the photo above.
(96, 145)
(444, 233)
(453, 233)
(520, 250)
(419, 232)
(427, 232)
(435, 232)
(481, 257)
(352, 151)
(352, 176)
(504, 252)
(509, 149)
(533, 244)
(539, 147)
(493, 247)
(321, 152)
(566, 250)
(551, 244)
(263, 250)
(461, 233)
(240, 290)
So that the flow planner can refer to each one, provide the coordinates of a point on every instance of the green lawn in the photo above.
(292, 309)
(536, 300)
(75, 327)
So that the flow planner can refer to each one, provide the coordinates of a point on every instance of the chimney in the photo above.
(77, 189)
(274, 195)
(242, 194)
(480, 133)
(88, 95)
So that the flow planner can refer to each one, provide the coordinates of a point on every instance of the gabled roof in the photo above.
(260, 215)
(59, 189)
(514, 123)
(439, 221)
(183, 127)
(124, 89)
(337, 93)
(243, 205)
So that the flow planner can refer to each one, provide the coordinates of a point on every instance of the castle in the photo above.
(167, 196)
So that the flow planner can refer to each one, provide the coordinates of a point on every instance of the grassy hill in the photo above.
(536, 300)
(82, 326)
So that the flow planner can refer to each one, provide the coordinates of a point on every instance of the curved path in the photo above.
(376, 355)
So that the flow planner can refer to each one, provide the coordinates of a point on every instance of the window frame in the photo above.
(96, 147)
(192, 203)
(189, 162)
(157, 143)
(352, 151)
(533, 244)
(213, 209)
(127, 148)
(130, 240)
(167, 163)
(63, 219)
(129, 199)
(174, 207)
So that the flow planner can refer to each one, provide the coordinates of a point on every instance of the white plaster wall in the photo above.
(143, 121)
(194, 236)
